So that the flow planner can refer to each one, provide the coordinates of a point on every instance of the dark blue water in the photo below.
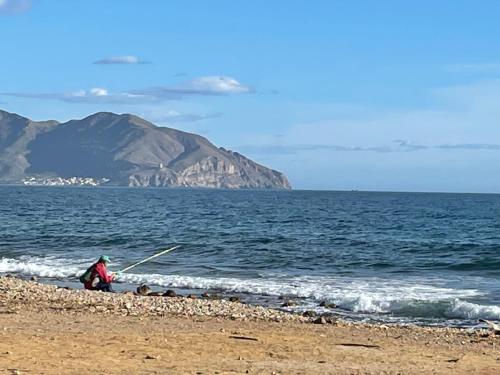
(426, 258)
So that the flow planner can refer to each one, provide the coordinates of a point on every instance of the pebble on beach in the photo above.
(169, 293)
(143, 290)
(309, 314)
(18, 293)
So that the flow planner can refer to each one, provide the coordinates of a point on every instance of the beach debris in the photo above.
(370, 346)
(152, 357)
(234, 299)
(143, 290)
(205, 295)
(244, 338)
(191, 296)
(289, 303)
(34, 278)
(453, 360)
(170, 293)
(492, 326)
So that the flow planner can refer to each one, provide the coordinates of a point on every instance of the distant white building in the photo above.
(59, 181)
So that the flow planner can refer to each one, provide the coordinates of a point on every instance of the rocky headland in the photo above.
(124, 150)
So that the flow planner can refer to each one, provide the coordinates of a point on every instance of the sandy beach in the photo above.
(49, 330)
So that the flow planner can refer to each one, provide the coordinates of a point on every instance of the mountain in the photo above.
(125, 149)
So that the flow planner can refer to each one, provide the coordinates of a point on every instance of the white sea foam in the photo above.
(415, 298)
(357, 295)
(466, 310)
(44, 267)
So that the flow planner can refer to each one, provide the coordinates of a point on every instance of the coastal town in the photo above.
(60, 181)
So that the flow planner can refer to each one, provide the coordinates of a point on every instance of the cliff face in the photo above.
(125, 149)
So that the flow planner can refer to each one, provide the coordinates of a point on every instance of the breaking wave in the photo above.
(52, 267)
(415, 298)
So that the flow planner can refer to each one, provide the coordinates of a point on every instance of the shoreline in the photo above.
(151, 334)
(283, 304)
(279, 307)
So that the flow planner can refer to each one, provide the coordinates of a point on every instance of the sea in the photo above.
(398, 258)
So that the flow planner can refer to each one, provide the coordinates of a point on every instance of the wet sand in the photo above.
(49, 330)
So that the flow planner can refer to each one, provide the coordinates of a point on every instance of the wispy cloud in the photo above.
(404, 145)
(209, 85)
(14, 6)
(174, 117)
(199, 86)
(121, 60)
(470, 146)
(295, 149)
(397, 147)
(458, 122)
(93, 96)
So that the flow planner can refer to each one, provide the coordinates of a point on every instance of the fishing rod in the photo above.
(151, 257)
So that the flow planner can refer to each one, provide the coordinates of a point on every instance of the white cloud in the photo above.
(98, 92)
(14, 6)
(92, 92)
(93, 96)
(209, 85)
(129, 59)
(199, 86)
(216, 85)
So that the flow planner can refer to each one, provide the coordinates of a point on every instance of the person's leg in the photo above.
(104, 287)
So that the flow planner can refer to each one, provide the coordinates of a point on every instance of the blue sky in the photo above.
(368, 95)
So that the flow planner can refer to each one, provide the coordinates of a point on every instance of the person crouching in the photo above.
(96, 277)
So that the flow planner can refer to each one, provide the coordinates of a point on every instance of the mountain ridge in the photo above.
(125, 149)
